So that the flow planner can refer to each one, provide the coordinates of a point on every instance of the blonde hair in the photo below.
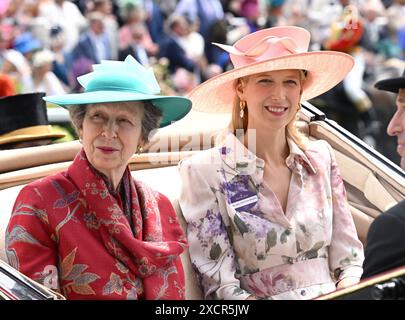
(238, 123)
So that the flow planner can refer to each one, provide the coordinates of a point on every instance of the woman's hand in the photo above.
(347, 282)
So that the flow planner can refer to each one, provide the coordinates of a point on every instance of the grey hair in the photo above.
(77, 113)
(150, 121)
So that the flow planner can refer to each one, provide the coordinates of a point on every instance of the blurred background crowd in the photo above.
(46, 44)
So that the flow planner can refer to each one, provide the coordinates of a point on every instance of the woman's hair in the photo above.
(238, 123)
(77, 113)
(151, 117)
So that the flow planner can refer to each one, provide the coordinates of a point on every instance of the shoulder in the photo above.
(201, 168)
(393, 219)
(202, 160)
(320, 152)
(398, 209)
(154, 198)
(42, 183)
(150, 193)
(43, 187)
(319, 146)
(396, 214)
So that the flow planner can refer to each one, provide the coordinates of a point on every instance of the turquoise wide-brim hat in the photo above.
(119, 81)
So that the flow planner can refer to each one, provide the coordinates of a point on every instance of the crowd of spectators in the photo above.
(46, 44)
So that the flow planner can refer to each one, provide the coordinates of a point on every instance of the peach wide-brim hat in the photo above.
(278, 48)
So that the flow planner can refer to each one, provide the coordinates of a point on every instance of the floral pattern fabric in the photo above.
(242, 242)
(68, 232)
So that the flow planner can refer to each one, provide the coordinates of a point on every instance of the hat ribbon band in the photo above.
(34, 130)
(287, 42)
(261, 47)
(114, 88)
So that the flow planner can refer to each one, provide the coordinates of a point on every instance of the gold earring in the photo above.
(139, 150)
(242, 106)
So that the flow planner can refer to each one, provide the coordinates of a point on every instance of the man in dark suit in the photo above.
(171, 49)
(385, 248)
(136, 47)
(93, 44)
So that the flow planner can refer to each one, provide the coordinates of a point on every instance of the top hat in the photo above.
(392, 84)
(23, 117)
(278, 48)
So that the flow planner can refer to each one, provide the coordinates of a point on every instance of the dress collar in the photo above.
(298, 157)
(244, 161)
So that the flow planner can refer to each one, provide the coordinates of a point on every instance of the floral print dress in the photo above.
(241, 241)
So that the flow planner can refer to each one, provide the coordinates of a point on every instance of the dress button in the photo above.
(303, 292)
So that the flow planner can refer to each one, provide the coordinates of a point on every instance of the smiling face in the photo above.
(110, 135)
(396, 127)
(272, 98)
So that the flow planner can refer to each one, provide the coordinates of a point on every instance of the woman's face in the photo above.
(110, 135)
(272, 98)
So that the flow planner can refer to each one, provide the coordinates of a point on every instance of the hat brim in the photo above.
(23, 135)
(325, 70)
(391, 85)
(172, 107)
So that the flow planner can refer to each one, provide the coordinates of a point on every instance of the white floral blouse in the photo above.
(241, 241)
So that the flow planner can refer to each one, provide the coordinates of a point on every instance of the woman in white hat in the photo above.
(92, 231)
(43, 77)
(267, 211)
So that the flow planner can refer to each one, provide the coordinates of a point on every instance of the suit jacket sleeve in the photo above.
(385, 247)
(178, 58)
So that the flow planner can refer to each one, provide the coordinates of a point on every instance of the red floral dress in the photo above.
(70, 233)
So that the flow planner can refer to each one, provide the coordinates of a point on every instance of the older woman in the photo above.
(267, 211)
(92, 231)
